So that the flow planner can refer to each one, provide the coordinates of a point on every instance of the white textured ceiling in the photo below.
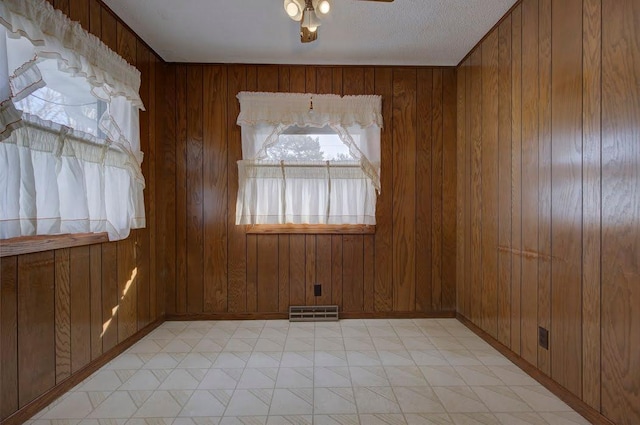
(405, 32)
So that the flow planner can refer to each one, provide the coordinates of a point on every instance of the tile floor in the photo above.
(422, 371)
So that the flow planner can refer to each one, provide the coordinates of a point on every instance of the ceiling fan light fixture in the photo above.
(310, 18)
(293, 9)
(323, 7)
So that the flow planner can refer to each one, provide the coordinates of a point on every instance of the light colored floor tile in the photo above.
(163, 403)
(359, 343)
(290, 420)
(297, 359)
(329, 344)
(103, 380)
(336, 420)
(521, 418)
(221, 379)
(447, 343)
(262, 377)
(332, 376)
(243, 420)
(240, 344)
(387, 343)
(501, 399)
(382, 331)
(196, 420)
(442, 376)
(295, 377)
(428, 358)
(231, 360)
(395, 358)
(474, 419)
(512, 375)
(334, 401)
(292, 402)
(383, 419)
(253, 402)
(195, 360)
(428, 419)
(145, 379)
(418, 400)
(207, 403)
(368, 376)
(478, 375)
(459, 399)
(330, 358)
(182, 379)
(376, 400)
(118, 405)
(252, 333)
(163, 361)
(299, 344)
(269, 345)
(333, 331)
(405, 376)
(363, 358)
(264, 359)
(460, 357)
(564, 418)
(76, 406)
(355, 332)
(540, 399)
(417, 343)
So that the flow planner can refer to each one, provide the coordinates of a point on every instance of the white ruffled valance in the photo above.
(55, 36)
(308, 193)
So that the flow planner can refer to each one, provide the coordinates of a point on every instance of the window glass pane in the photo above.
(309, 144)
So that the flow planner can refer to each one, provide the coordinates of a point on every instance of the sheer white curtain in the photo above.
(69, 128)
(302, 192)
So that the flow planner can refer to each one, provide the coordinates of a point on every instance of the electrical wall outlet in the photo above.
(543, 337)
(317, 290)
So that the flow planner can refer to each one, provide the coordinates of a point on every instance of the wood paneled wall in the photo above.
(210, 265)
(549, 194)
(60, 310)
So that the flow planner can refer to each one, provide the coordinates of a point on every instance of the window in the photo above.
(69, 131)
(308, 159)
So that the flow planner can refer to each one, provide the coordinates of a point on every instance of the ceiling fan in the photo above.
(308, 13)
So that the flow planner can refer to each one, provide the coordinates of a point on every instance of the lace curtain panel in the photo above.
(69, 128)
(278, 190)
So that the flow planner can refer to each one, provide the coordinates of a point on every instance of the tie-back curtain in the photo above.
(311, 193)
(69, 128)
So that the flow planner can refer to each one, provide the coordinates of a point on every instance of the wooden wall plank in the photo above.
(181, 190)
(544, 179)
(384, 208)
(476, 187)
(424, 186)
(404, 166)
(62, 314)
(489, 186)
(505, 177)
(530, 99)
(252, 272)
(591, 201)
(298, 79)
(79, 11)
(127, 276)
(566, 128)
(195, 191)
(461, 178)
(110, 297)
(126, 42)
(8, 336)
(324, 80)
(95, 18)
(267, 270)
(323, 268)
(620, 211)
(310, 269)
(516, 181)
(336, 271)
(449, 165)
(467, 191)
(283, 273)
(437, 179)
(36, 326)
(215, 196)
(96, 300)
(297, 270)
(80, 291)
(352, 273)
(369, 269)
(236, 245)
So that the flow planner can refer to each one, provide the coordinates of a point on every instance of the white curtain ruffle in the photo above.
(79, 53)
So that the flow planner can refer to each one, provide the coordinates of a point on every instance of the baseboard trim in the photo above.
(283, 316)
(588, 412)
(33, 407)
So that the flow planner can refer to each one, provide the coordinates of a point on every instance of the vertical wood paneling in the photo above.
(181, 190)
(79, 11)
(195, 191)
(404, 166)
(215, 196)
(368, 272)
(591, 200)
(461, 179)
(236, 244)
(297, 270)
(424, 196)
(267, 270)
(95, 20)
(336, 271)
(352, 273)
(126, 301)
(252, 273)
(310, 268)
(36, 326)
(504, 178)
(323, 268)
(476, 187)
(449, 170)
(384, 208)
(8, 336)
(437, 152)
(544, 181)
(467, 191)
(620, 211)
(530, 99)
(80, 291)
(283, 273)
(110, 297)
(489, 170)
(96, 300)
(62, 314)
(566, 127)
(516, 180)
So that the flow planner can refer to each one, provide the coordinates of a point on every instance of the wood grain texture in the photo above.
(591, 201)
(336, 271)
(62, 314)
(404, 156)
(215, 197)
(566, 127)
(297, 270)
(476, 188)
(283, 273)
(195, 191)
(461, 181)
(252, 273)
(268, 262)
(36, 326)
(530, 100)
(352, 273)
(181, 190)
(110, 297)
(323, 268)
(489, 171)
(424, 141)
(437, 178)
(504, 181)
(620, 211)
(8, 336)
(310, 269)
(127, 275)
(95, 284)
(80, 314)
(544, 179)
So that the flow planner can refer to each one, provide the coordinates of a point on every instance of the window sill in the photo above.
(311, 229)
(31, 244)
